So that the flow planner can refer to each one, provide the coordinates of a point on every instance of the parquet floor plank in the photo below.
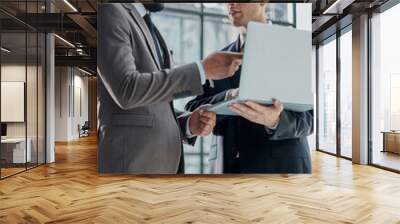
(71, 191)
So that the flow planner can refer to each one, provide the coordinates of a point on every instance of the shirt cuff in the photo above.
(202, 72)
(188, 132)
(272, 129)
(226, 95)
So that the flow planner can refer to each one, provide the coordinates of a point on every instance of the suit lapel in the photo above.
(145, 31)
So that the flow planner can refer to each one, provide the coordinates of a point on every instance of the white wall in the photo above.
(70, 83)
(16, 73)
(61, 103)
(79, 117)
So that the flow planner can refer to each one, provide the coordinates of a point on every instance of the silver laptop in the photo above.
(276, 65)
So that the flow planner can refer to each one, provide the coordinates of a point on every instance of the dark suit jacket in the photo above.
(284, 150)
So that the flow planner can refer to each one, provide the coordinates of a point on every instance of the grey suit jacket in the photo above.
(138, 132)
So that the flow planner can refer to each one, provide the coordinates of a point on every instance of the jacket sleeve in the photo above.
(118, 70)
(182, 121)
(294, 125)
(206, 98)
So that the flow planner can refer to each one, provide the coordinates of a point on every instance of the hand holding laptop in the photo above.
(272, 69)
(267, 115)
(260, 114)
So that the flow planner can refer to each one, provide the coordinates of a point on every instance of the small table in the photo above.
(13, 150)
(391, 141)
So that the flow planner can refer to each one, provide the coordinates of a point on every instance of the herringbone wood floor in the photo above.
(70, 191)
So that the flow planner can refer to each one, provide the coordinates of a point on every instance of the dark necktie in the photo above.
(152, 30)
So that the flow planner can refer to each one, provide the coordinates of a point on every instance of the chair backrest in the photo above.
(86, 125)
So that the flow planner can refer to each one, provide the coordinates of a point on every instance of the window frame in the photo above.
(334, 37)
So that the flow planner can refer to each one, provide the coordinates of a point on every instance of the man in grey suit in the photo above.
(138, 131)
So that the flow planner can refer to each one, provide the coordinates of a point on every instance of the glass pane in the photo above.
(182, 34)
(22, 88)
(31, 98)
(41, 99)
(281, 13)
(13, 87)
(218, 33)
(346, 94)
(327, 97)
(386, 89)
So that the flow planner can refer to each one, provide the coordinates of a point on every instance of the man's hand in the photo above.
(264, 115)
(202, 122)
(232, 93)
(220, 65)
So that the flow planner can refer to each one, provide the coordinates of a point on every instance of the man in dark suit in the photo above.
(263, 139)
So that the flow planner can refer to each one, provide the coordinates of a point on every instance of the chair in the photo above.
(84, 130)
